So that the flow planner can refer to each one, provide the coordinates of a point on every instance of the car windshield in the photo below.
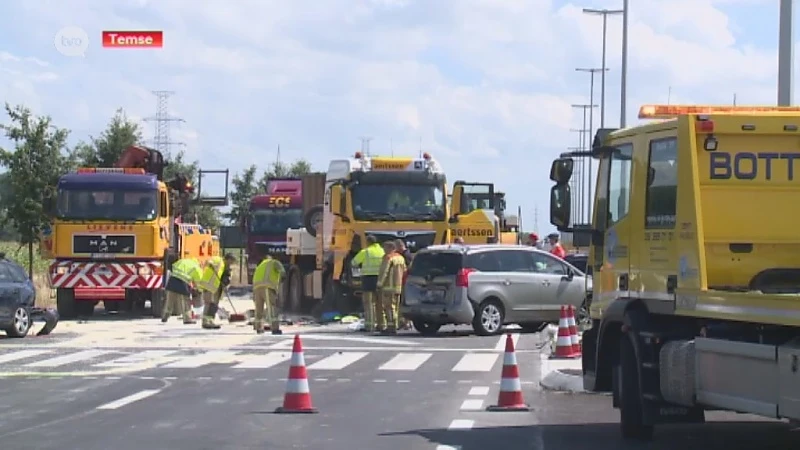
(107, 204)
(435, 263)
(275, 221)
(422, 202)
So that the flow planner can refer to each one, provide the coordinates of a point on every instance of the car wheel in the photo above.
(426, 328)
(21, 323)
(489, 318)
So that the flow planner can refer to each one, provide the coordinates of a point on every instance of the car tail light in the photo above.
(462, 278)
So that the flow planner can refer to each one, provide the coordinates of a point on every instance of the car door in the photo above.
(22, 287)
(518, 282)
(8, 300)
(560, 285)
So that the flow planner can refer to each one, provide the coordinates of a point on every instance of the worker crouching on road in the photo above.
(267, 280)
(185, 274)
(216, 278)
(369, 260)
(390, 284)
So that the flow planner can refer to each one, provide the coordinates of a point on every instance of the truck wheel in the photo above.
(312, 218)
(157, 302)
(85, 308)
(295, 286)
(328, 298)
(65, 303)
(631, 400)
(112, 305)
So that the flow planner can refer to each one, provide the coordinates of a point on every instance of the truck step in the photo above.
(650, 365)
(652, 397)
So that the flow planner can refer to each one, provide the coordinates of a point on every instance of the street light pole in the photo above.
(605, 13)
(624, 78)
(582, 162)
(785, 54)
(591, 134)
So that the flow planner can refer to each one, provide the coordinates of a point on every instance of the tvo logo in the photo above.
(71, 41)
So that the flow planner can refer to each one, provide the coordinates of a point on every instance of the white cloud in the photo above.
(484, 85)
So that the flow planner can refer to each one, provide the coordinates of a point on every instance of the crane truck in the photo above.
(117, 231)
(386, 197)
(696, 264)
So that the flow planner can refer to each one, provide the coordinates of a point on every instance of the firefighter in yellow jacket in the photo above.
(185, 275)
(369, 260)
(267, 280)
(390, 284)
(216, 278)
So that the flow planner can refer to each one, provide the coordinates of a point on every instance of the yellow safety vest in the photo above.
(212, 274)
(268, 274)
(188, 270)
(370, 260)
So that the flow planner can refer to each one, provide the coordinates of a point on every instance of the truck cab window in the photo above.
(619, 183)
(662, 184)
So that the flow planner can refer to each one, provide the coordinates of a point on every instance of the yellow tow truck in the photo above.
(696, 264)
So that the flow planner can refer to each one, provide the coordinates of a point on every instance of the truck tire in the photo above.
(329, 297)
(85, 308)
(314, 215)
(157, 302)
(631, 400)
(295, 290)
(65, 303)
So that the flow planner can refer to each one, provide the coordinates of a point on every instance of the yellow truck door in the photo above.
(610, 255)
(472, 213)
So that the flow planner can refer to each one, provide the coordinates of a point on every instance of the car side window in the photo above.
(18, 274)
(5, 274)
(515, 261)
(485, 262)
(547, 264)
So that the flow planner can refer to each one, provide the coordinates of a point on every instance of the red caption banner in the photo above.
(133, 39)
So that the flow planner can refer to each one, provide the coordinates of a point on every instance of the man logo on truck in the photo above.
(745, 165)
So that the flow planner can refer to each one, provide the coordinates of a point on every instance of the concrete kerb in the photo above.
(563, 375)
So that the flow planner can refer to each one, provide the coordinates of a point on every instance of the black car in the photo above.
(17, 297)
(579, 260)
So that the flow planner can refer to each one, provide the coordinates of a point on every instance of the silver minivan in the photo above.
(488, 286)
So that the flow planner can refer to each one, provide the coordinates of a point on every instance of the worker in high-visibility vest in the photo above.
(390, 285)
(185, 274)
(369, 260)
(267, 279)
(216, 278)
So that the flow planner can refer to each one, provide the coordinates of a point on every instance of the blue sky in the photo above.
(486, 86)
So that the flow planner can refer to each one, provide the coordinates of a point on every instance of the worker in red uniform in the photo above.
(555, 246)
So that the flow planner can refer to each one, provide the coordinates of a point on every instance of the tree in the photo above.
(281, 170)
(206, 215)
(104, 151)
(244, 188)
(34, 167)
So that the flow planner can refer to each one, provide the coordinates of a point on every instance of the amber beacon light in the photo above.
(670, 111)
(133, 39)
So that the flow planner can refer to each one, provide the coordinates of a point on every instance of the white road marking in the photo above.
(476, 362)
(136, 358)
(473, 404)
(366, 340)
(406, 361)
(501, 344)
(461, 424)
(448, 447)
(130, 399)
(68, 359)
(479, 390)
(263, 361)
(337, 361)
(22, 354)
(195, 361)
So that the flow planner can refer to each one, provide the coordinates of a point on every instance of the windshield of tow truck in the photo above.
(269, 221)
(107, 204)
(389, 201)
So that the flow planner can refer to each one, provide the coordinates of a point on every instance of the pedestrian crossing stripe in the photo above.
(41, 360)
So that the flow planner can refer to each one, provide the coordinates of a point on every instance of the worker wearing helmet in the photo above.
(369, 260)
(185, 274)
(533, 240)
(267, 279)
(390, 286)
(402, 249)
(216, 278)
(555, 247)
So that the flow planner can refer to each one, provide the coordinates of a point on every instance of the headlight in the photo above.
(144, 271)
(61, 270)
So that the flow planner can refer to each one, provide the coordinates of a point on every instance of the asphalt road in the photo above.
(393, 396)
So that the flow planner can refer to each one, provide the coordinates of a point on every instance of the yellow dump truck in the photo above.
(116, 233)
(478, 215)
(696, 260)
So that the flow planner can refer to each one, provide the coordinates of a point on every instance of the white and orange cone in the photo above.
(297, 399)
(573, 332)
(564, 348)
(510, 396)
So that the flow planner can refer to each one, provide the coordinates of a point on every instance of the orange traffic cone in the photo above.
(297, 399)
(564, 347)
(510, 396)
(573, 331)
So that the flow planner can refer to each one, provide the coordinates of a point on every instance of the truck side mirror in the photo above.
(560, 205)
